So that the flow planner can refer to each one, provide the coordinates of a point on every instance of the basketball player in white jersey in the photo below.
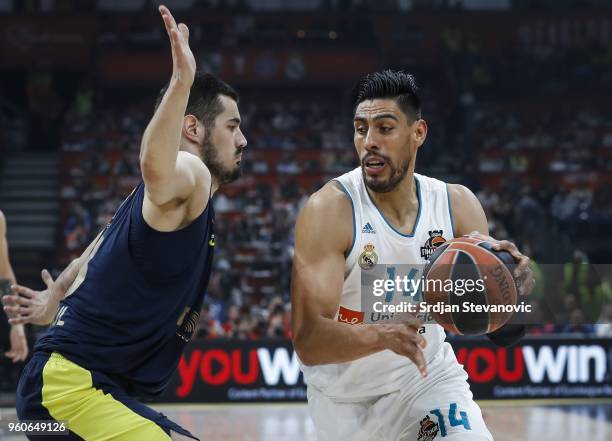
(391, 381)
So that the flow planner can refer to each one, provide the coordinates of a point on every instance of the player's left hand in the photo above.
(522, 273)
(19, 344)
(28, 306)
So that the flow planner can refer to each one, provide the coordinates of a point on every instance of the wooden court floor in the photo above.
(507, 421)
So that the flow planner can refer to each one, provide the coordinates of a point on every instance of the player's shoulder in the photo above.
(466, 210)
(326, 219)
(330, 200)
(456, 192)
(2, 222)
(462, 201)
(459, 194)
(338, 193)
(431, 184)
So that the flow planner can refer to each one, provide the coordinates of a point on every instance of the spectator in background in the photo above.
(245, 325)
(278, 322)
(78, 227)
(577, 323)
(575, 273)
(594, 293)
(603, 327)
(84, 101)
(45, 109)
(529, 216)
(93, 164)
(538, 323)
(569, 305)
(127, 165)
(278, 319)
(233, 318)
(208, 326)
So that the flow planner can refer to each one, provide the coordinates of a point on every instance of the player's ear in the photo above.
(192, 129)
(420, 131)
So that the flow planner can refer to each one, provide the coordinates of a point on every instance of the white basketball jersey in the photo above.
(381, 373)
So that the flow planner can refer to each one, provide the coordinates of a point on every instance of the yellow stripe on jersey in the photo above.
(68, 394)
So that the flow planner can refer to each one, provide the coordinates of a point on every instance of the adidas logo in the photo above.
(367, 228)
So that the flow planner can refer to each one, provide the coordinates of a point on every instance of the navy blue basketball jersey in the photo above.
(136, 302)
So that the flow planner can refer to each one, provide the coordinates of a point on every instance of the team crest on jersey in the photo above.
(211, 242)
(368, 258)
(435, 240)
(428, 430)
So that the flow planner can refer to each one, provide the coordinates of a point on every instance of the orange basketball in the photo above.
(468, 286)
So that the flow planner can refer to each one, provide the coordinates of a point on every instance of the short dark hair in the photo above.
(394, 84)
(204, 102)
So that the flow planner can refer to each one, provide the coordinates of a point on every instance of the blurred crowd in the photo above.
(248, 296)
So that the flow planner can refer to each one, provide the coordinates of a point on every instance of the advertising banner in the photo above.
(237, 371)
(254, 371)
(538, 368)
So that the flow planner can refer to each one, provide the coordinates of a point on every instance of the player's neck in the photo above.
(401, 204)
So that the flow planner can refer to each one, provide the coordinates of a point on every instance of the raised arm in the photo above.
(6, 271)
(19, 343)
(323, 234)
(170, 176)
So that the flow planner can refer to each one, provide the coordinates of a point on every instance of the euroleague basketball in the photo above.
(469, 287)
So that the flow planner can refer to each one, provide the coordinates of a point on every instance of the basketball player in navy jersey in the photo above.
(125, 309)
(383, 381)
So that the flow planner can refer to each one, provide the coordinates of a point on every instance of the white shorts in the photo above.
(439, 407)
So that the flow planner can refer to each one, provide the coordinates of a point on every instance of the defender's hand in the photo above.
(404, 339)
(19, 344)
(183, 61)
(522, 273)
(29, 306)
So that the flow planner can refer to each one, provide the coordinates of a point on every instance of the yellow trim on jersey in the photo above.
(68, 394)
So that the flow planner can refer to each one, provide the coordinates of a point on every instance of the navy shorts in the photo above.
(94, 407)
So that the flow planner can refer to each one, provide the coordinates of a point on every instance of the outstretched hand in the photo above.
(183, 61)
(29, 306)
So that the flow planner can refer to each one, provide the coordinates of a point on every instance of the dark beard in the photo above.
(397, 174)
(221, 174)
